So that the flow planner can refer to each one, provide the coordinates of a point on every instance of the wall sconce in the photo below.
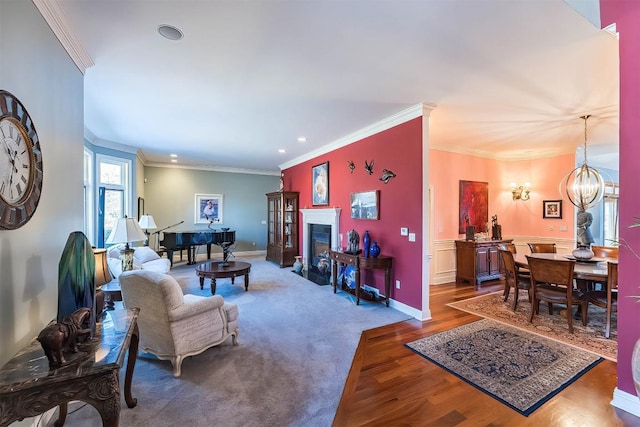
(520, 192)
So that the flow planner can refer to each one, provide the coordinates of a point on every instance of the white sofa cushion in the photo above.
(145, 254)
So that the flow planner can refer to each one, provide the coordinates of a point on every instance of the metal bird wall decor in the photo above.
(352, 165)
(387, 175)
(368, 167)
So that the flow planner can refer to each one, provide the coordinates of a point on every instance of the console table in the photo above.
(362, 263)
(29, 388)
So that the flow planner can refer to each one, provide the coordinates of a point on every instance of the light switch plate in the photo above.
(412, 237)
(404, 231)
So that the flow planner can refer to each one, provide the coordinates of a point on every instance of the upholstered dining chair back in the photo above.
(605, 251)
(607, 298)
(512, 278)
(542, 248)
(552, 282)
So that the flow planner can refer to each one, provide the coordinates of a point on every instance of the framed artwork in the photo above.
(320, 184)
(474, 205)
(208, 209)
(364, 205)
(552, 209)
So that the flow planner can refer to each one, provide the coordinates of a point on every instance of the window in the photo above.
(88, 195)
(610, 222)
(114, 177)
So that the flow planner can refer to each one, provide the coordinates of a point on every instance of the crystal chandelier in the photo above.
(583, 186)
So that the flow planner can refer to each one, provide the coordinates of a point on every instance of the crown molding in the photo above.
(516, 156)
(415, 111)
(215, 169)
(53, 14)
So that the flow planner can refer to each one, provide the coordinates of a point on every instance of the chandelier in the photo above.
(583, 186)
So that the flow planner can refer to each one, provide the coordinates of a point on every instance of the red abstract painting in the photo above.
(474, 204)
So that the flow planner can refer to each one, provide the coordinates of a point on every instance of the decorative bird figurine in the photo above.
(387, 175)
(368, 167)
(352, 165)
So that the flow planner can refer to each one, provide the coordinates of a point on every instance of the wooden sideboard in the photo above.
(478, 260)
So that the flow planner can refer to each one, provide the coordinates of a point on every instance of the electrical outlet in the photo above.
(563, 228)
(404, 231)
(412, 237)
(397, 284)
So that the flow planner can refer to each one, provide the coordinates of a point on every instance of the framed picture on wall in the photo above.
(552, 209)
(473, 206)
(208, 209)
(364, 205)
(320, 184)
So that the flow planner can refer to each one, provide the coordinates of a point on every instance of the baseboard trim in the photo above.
(626, 401)
(413, 312)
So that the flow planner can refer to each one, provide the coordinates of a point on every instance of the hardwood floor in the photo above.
(390, 385)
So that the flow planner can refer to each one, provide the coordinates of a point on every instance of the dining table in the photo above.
(594, 269)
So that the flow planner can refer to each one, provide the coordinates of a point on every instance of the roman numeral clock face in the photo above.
(20, 164)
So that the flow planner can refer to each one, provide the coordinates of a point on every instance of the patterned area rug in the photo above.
(590, 338)
(519, 369)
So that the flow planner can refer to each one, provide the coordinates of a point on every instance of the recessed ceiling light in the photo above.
(173, 155)
(170, 32)
(282, 151)
(302, 139)
(174, 161)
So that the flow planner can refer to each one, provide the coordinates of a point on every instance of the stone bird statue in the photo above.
(387, 175)
(352, 165)
(368, 167)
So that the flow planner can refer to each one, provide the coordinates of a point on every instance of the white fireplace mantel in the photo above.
(327, 216)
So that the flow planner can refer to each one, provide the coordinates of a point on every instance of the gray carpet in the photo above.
(520, 369)
(296, 345)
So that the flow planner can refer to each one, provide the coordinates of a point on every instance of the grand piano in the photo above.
(190, 240)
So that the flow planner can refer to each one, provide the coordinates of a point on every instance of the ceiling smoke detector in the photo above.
(170, 32)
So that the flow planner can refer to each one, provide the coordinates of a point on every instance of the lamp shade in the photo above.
(126, 230)
(102, 269)
(147, 222)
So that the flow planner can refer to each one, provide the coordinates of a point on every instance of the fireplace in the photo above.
(318, 266)
(326, 229)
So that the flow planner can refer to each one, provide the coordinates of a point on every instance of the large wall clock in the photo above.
(20, 164)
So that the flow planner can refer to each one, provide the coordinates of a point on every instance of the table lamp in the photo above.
(126, 230)
(102, 277)
(147, 222)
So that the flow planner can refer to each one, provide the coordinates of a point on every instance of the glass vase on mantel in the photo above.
(366, 242)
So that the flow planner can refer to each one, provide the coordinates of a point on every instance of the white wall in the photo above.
(35, 68)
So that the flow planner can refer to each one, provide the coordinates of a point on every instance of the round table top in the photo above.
(216, 268)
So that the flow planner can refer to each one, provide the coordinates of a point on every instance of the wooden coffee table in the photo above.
(216, 270)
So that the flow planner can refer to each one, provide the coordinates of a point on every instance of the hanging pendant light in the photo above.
(583, 186)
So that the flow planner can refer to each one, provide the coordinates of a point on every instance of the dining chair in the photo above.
(602, 252)
(522, 272)
(512, 279)
(552, 282)
(605, 251)
(608, 298)
(542, 248)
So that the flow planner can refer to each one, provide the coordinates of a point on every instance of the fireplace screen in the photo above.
(318, 269)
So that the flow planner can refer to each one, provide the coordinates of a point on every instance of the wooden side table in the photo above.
(28, 387)
(362, 263)
(112, 293)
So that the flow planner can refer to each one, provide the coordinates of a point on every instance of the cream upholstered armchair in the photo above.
(172, 325)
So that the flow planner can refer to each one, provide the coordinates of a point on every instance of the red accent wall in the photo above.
(626, 15)
(398, 149)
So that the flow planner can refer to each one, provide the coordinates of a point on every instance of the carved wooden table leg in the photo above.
(63, 415)
(246, 281)
(213, 285)
(131, 363)
(201, 282)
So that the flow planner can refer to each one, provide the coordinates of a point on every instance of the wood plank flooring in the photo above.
(390, 385)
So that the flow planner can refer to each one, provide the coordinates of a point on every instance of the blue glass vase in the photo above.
(366, 242)
(375, 249)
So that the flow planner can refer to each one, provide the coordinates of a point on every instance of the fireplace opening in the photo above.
(318, 263)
